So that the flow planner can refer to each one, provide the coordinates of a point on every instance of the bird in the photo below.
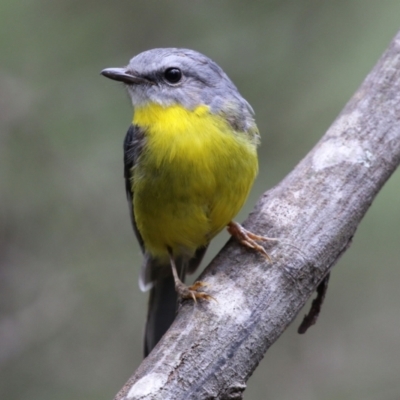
(190, 160)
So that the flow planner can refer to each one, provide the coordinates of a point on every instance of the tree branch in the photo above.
(213, 347)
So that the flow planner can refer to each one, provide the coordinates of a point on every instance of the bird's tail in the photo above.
(161, 311)
(163, 298)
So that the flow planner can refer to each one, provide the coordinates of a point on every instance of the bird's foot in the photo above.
(191, 292)
(248, 238)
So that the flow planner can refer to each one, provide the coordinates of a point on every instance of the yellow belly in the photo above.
(191, 179)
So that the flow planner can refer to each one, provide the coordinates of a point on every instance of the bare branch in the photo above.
(213, 347)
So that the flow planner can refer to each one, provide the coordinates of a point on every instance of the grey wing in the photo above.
(133, 145)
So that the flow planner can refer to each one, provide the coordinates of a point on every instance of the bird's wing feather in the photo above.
(133, 145)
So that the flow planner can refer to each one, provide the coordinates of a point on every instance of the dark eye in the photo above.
(173, 75)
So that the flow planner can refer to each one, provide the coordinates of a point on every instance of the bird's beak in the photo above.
(122, 75)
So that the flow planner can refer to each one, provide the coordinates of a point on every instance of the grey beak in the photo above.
(121, 75)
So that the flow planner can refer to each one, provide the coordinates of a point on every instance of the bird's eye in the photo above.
(173, 75)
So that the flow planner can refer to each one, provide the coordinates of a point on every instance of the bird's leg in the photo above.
(248, 238)
(188, 292)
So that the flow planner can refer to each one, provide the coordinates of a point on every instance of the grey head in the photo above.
(169, 76)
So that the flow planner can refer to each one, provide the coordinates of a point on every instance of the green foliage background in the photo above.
(71, 313)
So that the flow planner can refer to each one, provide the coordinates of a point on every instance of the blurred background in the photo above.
(71, 313)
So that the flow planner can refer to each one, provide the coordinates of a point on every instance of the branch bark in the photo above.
(213, 347)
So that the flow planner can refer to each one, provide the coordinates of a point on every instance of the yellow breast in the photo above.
(191, 179)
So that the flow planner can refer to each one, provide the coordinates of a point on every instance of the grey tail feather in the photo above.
(163, 298)
(161, 312)
(162, 308)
